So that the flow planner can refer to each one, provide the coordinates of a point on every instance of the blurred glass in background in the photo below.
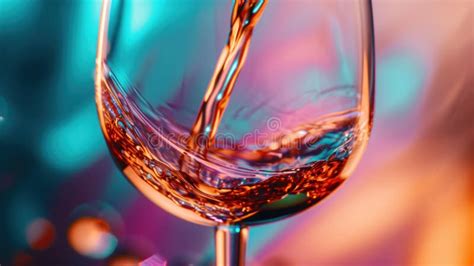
(411, 202)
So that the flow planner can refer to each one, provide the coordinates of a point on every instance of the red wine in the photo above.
(228, 184)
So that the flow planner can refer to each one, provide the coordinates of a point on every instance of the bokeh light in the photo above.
(22, 259)
(22, 209)
(74, 143)
(123, 260)
(100, 210)
(91, 237)
(40, 234)
(3, 115)
(400, 79)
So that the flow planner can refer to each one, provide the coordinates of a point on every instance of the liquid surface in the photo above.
(248, 184)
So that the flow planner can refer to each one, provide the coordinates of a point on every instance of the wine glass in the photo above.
(231, 113)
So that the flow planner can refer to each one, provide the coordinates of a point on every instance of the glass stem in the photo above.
(231, 242)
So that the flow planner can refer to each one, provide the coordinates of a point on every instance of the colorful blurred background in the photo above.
(410, 202)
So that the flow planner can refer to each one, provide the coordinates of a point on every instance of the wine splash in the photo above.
(245, 15)
(292, 172)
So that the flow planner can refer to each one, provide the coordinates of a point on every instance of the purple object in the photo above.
(154, 260)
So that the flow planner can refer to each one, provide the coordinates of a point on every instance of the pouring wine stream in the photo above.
(245, 15)
(230, 240)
